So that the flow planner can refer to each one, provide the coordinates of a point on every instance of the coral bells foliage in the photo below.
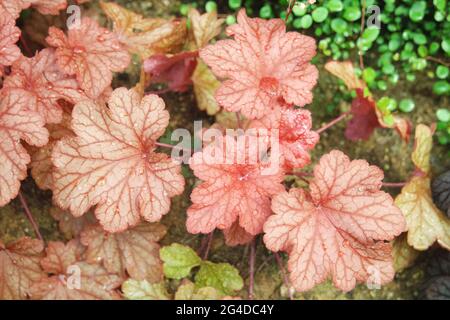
(44, 84)
(262, 64)
(112, 161)
(9, 35)
(232, 190)
(296, 138)
(91, 53)
(16, 123)
(338, 228)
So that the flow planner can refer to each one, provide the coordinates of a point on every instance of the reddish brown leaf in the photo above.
(339, 228)
(69, 225)
(91, 53)
(262, 64)
(364, 120)
(71, 279)
(176, 70)
(16, 123)
(111, 162)
(19, 267)
(236, 235)
(134, 252)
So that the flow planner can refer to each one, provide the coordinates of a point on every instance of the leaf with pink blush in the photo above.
(111, 163)
(262, 65)
(14, 7)
(51, 7)
(44, 84)
(231, 192)
(16, 124)
(92, 53)
(64, 266)
(134, 252)
(174, 70)
(236, 235)
(344, 70)
(41, 158)
(9, 35)
(19, 267)
(339, 228)
(296, 139)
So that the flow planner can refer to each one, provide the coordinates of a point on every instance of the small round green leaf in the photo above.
(406, 105)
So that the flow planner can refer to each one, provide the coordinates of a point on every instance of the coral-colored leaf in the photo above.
(19, 267)
(339, 228)
(205, 87)
(175, 70)
(91, 53)
(9, 35)
(231, 191)
(41, 158)
(262, 64)
(44, 84)
(134, 252)
(364, 120)
(49, 6)
(14, 7)
(142, 36)
(16, 123)
(204, 27)
(344, 70)
(296, 138)
(111, 162)
(72, 279)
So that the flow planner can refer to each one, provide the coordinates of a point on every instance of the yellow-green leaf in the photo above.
(144, 290)
(204, 27)
(188, 291)
(426, 223)
(205, 86)
(222, 276)
(178, 260)
(422, 148)
(404, 255)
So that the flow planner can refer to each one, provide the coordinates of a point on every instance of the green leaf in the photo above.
(417, 11)
(370, 34)
(266, 11)
(335, 5)
(144, 290)
(339, 25)
(222, 276)
(445, 44)
(210, 6)
(234, 4)
(320, 14)
(352, 13)
(440, 4)
(306, 21)
(406, 105)
(443, 115)
(299, 10)
(178, 260)
(441, 87)
(419, 38)
(442, 72)
(230, 20)
(369, 75)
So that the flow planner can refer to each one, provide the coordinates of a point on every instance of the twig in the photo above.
(289, 9)
(30, 216)
(209, 238)
(333, 122)
(447, 64)
(393, 184)
(251, 266)
(284, 274)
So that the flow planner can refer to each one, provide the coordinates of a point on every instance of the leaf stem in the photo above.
(251, 266)
(284, 274)
(393, 184)
(238, 120)
(289, 9)
(30, 216)
(208, 238)
(333, 122)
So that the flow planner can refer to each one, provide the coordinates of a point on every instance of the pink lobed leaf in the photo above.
(19, 267)
(230, 191)
(111, 162)
(91, 53)
(339, 229)
(16, 123)
(134, 252)
(9, 35)
(263, 64)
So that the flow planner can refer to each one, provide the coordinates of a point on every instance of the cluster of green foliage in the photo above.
(414, 37)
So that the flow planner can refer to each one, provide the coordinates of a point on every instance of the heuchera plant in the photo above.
(95, 148)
